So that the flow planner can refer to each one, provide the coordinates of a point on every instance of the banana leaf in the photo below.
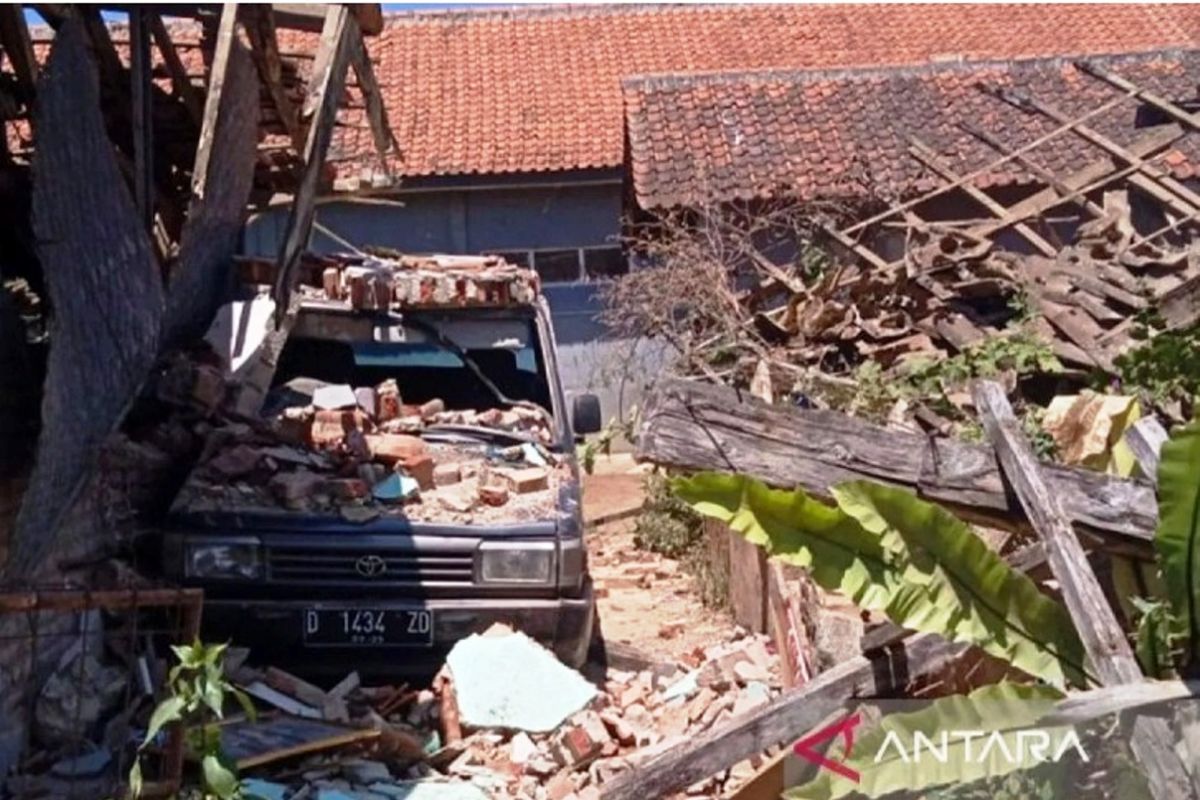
(1178, 536)
(885, 759)
(888, 551)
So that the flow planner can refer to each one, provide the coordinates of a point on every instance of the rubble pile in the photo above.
(385, 279)
(523, 726)
(357, 452)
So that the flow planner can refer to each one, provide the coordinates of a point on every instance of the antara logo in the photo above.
(1018, 748)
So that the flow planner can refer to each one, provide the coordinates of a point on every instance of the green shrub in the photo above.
(667, 525)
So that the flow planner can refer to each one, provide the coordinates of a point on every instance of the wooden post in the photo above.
(1108, 650)
(212, 102)
(15, 41)
(143, 119)
(381, 132)
(324, 94)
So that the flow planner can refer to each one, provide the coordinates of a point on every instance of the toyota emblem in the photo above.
(370, 566)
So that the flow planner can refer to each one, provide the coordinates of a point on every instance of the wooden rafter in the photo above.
(182, 85)
(385, 140)
(212, 103)
(929, 157)
(264, 48)
(320, 108)
(14, 37)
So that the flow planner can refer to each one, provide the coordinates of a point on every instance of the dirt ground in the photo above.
(642, 599)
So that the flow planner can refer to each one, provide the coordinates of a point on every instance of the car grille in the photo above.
(318, 565)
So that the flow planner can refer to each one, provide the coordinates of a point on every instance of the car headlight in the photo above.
(223, 560)
(516, 562)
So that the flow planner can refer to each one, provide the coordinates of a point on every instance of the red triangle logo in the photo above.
(845, 729)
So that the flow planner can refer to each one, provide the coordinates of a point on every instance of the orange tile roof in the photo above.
(847, 133)
(539, 89)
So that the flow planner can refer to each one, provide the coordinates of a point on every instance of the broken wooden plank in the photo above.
(695, 425)
(1108, 650)
(140, 88)
(264, 48)
(212, 102)
(324, 95)
(1161, 103)
(181, 84)
(928, 156)
(786, 718)
(1146, 438)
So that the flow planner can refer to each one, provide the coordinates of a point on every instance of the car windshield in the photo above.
(431, 357)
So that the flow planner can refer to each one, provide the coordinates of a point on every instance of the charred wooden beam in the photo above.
(1103, 638)
(786, 718)
(694, 425)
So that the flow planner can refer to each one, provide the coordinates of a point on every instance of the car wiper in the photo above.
(451, 346)
(495, 433)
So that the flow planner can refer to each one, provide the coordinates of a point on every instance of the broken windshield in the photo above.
(465, 362)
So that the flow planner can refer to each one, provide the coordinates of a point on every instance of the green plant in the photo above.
(1177, 538)
(602, 443)
(1023, 352)
(1043, 444)
(1166, 365)
(888, 551)
(198, 690)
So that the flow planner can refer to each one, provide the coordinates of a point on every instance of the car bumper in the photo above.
(274, 631)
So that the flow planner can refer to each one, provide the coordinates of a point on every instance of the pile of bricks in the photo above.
(374, 283)
(358, 450)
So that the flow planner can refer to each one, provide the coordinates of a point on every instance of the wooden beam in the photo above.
(694, 425)
(916, 201)
(1149, 179)
(381, 131)
(325, 92)
(1146, 438)
(264, 48)
(141, 86)
(212, 102)
(14, 38)
(1089, 178)
(1162, 104)
(786, 718)
(929, 157)
(1179, 306)
(1104, 640)
(311, 16)
(181, 84)
(1037, 169)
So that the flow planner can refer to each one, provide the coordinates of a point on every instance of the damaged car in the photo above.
(410, 479)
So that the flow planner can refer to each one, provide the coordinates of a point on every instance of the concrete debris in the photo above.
(510, 681)
(81, 692)
(335, 397)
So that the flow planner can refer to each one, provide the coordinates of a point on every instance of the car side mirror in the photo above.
(585, 414)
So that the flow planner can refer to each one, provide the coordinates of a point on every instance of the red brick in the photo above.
(493, 495)
(331, 280)
(393, 447)
(388, 403)
(420, 467)
(330, 426)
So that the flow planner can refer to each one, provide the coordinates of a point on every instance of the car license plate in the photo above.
(374, 627)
